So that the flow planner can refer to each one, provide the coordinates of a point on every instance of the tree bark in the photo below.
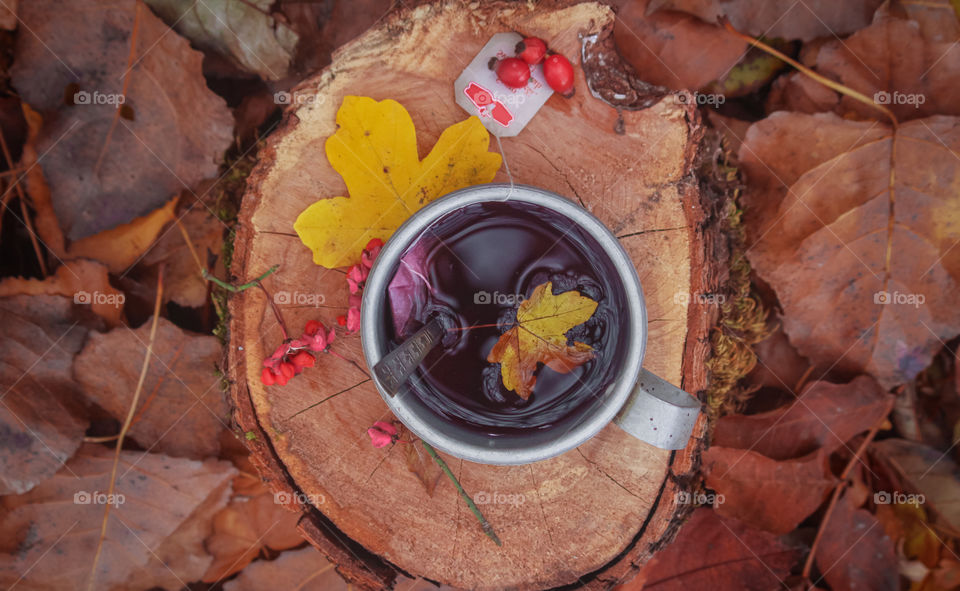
(589, 517)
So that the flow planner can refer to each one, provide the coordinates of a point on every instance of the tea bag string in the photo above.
(506, 165)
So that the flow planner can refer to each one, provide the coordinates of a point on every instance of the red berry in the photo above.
(312, 328)
(287, 370)
(342, 320)
(559, 74)
(266, 376)
(513, 72)
(531, 50)
(302, 359)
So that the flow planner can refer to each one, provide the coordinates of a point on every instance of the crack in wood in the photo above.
(602, 471)
(642, 232)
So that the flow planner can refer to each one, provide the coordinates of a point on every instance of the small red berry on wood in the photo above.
(559, 74)
(514, 72)
(531, 50)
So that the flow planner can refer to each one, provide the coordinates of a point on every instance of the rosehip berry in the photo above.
(559, 74)
(513, 72)
(531, 50)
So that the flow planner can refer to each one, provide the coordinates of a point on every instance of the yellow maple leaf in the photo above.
(375, 151)
(540, 337)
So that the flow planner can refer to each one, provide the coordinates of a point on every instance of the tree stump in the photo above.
(589, 517)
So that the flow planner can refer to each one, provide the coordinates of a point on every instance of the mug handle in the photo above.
(659, 413)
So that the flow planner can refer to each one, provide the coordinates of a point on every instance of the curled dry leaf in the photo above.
(855, 552)
(40, 423)
(786, 19)
(246, 527)
(83, 47)
(85, 282)
(153, 534)
(375, 151)
(713, 552)
(865, 285)
(771, 495)
(825, 416)
(181, 410)
(891, 61)
(243, 30)
(303, 570)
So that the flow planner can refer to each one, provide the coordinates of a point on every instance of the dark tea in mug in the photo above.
(472, 269)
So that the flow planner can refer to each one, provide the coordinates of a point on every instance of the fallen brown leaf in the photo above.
(722, 554)
(855, 552)
(770, 495)
(303, 570)
(41, 424)
(865, 286)
(8, 15)
(824, 416)
(161, 503)
(673, 49)
(787, 19)
(248, 525)
(182, 409)
(84, 47)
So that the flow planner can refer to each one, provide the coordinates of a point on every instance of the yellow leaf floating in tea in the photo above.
(375, 151)
(540, 337)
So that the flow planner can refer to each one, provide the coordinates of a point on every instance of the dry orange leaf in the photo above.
(86, 282)
(540, 337)
(375, 151)
(245, 527)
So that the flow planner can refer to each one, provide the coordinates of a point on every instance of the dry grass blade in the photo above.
(126, 426)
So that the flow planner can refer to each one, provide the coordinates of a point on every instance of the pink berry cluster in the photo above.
(356, 278)
(515, 71)
(294, 355)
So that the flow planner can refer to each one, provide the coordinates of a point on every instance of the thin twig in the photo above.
(190, 247)
(484, 524)
(808, 565)
(857, 96)
(126, 427)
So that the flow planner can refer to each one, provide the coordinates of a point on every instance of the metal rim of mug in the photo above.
(375, 298)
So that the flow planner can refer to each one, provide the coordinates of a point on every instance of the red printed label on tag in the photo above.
(488, 107)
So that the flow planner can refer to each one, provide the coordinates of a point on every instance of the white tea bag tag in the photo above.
(503, 110)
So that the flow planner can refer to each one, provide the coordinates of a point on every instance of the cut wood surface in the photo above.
(588, 517)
